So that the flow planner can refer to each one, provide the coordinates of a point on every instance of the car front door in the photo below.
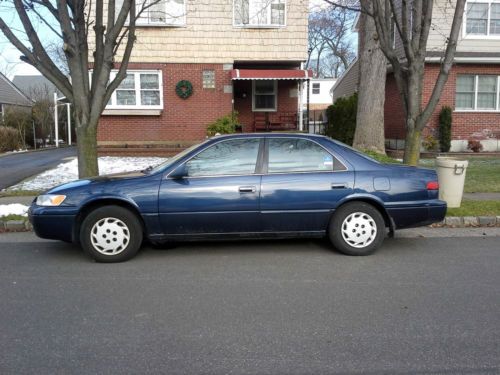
(302, 186)
(217, 192)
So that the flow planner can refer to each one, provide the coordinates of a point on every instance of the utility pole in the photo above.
(56, 120)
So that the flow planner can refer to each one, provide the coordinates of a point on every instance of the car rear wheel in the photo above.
(111, 234)
(357, 228)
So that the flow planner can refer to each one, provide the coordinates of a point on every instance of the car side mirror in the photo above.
(179, 173)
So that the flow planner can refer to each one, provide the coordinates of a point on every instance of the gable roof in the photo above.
(10, 94)
(34, 86)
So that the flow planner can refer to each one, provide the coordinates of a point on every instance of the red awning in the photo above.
(251, 74)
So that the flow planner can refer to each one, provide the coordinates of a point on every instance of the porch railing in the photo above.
(275, 121)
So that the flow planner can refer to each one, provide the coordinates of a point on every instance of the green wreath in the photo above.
(184, 89)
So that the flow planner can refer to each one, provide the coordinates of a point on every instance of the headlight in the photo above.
(50, 200)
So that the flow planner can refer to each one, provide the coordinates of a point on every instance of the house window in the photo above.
(158, 12)
(139, 90)
(259, 13)
(264, 95)
(316, 88)
(477, 93)
(209, 79)
(482, 18)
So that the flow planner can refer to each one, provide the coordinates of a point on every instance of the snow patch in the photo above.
(13, 209)
(68, 171)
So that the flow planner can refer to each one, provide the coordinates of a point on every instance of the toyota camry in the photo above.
(243, 186)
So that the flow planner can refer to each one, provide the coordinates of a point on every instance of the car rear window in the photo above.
(288, 155)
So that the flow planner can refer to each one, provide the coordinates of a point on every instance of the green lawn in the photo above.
(475, 208)
(482, 176)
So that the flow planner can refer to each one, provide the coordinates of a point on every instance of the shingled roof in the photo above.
(35, 85)
(10, 94)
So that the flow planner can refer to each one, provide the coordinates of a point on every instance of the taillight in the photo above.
(433, 185)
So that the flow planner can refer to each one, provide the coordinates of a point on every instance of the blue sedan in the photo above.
(243, 186)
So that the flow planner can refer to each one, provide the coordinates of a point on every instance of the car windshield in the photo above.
(172, 160)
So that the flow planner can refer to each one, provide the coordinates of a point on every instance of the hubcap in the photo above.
(359, 229)
(110, 236)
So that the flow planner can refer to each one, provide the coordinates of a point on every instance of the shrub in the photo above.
(342, 119)
(9, 139)
(223, 125)
(430, 143)
(474, 145)
(445, 121)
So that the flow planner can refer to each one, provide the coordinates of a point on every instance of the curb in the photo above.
(15, 225)
(469, 221)
(448, 222)
(37, 150)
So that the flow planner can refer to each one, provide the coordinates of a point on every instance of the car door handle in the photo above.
(340, 186)
(247, 189)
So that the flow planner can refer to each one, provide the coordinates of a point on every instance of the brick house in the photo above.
(239, 55)
(473, 86)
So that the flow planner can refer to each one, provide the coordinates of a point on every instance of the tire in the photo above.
(357, 228)
(111, 234)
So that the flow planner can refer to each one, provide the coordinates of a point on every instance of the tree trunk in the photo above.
(87, 149)
(412, 144)
(369, 133)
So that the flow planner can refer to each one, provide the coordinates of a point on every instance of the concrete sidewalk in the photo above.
(482, 196)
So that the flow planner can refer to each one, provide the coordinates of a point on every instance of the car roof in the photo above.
(270, 135)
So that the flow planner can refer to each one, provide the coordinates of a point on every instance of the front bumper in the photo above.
(53, 223)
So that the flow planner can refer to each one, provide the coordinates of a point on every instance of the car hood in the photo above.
(95, 180)
(117, 176)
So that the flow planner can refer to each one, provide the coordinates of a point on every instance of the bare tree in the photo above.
(329, 39)
(19, 118)
(43, 110)
(91, 34)
(411, 22)
(369, 134)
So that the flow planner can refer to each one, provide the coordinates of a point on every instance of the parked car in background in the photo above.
(271, 185)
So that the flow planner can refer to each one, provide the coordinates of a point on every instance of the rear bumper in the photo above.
(416, 216)
(51, 223)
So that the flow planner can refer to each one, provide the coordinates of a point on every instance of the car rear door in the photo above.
(302, 186)
(219, 193)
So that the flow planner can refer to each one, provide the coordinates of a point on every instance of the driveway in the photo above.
(419, 305)
(18, 166)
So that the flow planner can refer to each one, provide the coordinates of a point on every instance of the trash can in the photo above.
(451, 177)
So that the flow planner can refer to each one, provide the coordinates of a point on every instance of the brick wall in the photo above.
(394, 117)
(186, 120)
(465, 124)
(181, 119)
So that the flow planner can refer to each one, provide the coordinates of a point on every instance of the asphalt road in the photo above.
(18, 166)
(419, 305)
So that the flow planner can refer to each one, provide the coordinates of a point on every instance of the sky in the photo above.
(10, 64)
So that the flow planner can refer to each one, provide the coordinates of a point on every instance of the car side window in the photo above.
(299, 155)
(231, 157)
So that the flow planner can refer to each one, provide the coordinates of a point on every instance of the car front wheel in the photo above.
(357, 228)
(111, 234)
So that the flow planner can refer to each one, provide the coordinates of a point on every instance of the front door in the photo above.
(218, 194)
(303, 184)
